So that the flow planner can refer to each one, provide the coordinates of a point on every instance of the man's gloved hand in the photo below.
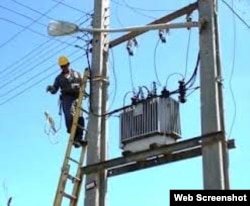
(49, 88)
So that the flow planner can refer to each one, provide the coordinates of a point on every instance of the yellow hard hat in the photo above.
(63, 60)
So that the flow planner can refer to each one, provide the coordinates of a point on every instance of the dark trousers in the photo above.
(68, 106)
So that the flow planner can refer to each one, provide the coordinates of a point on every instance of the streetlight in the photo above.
(61, 28)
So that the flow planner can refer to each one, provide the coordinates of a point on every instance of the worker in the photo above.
(69, 82)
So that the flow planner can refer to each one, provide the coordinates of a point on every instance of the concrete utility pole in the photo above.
(215, 163)
(95, 186)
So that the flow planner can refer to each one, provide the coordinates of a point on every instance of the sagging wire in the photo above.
(192, 90)
(125, 96)
(115, 79)
(162, 38)
(183, 86)
(155, 67)
(87, 51)
(188, 19)
(173, 74)
(131, 74)
(194, 75)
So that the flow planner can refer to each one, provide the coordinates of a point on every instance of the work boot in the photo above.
(77, 144)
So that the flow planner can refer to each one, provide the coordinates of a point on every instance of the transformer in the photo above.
(152, 122)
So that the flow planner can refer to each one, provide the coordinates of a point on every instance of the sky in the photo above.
(31, 157)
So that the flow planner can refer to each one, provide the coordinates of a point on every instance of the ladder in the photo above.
(65, 175)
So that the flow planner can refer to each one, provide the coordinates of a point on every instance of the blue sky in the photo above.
(30, 160)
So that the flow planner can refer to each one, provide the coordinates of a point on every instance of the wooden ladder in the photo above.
(76, 180)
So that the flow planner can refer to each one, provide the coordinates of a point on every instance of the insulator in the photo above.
(165, 92)
(130, 47)
(162, 36)
(182, 92)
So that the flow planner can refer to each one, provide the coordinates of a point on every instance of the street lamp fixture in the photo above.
(61, 28)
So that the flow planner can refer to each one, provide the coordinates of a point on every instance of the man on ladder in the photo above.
(69, 82)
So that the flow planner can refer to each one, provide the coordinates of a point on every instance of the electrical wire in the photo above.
(193, 90)
(232, 73)
(155, 67)
(173, 74)
(125, 96)
(143, 9)
(31, 78)
(71, 7)
(26, 81)
(33, 55)
(118, 17)
(236, 14)
(33, 20)
(136, 10)
(29, 70)
(23, 15)
(187, 53)
(35, 10)
(34, 84)
(115, 79)
(41, 55)
(29, 25)
(131, 73)
(26, 28)
(193, 77)
(22, 58)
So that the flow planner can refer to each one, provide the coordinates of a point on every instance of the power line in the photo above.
(30, 69)
(29, 25)
(71, 7)
(34, 84)
(21, 14)
(140, 9)
(28, 80)
(27, 28)
(42, 54)
(22, 59)
(32, 55)
(187, 52)
(236, 14)
(32, 9)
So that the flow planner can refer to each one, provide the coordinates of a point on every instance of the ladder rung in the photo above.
(73, 160)
(73, 179)
(81, 127)
(71, 197)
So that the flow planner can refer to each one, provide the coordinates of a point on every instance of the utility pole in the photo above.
(214, 152)
(215, 163)
(95, 186)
